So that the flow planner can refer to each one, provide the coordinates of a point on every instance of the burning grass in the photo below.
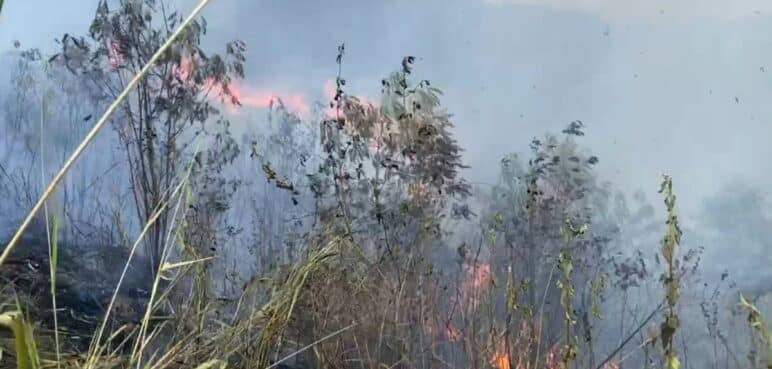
(344, 303)
(335, 307)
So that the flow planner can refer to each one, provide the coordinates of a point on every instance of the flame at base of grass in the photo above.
(477, 277)
(522, 348)
(453, 334)
(500, 359)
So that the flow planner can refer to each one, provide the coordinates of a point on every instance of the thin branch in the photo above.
(331, 335)
(630, 337)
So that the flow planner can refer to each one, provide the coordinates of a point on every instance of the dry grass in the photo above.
(335, 306)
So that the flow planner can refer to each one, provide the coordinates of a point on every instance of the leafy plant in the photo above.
(757, 324)
(171, 107)
(565, 264)
(671, 278)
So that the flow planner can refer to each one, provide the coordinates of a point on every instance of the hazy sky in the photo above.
(662, 85)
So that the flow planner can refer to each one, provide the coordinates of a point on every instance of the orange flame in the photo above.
(296, 102)
(258, 98)
(184, 70)
(478, 276)
(453, 334)
(247, 96)
(264, 98)
(500, 359)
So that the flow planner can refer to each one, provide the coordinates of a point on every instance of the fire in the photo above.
(330, 89)
(114, 56)
(478, 277)
(500, 359)
(184, 70)
(264, 98)
(296, 102)
(553, 360)
(453, 334)
(260, 98)
(246, 96)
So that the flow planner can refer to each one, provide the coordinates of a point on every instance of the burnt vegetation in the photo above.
(348, 239)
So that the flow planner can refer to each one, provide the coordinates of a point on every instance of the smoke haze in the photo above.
(681, 88)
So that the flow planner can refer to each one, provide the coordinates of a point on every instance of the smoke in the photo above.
(630, 10)
(656, 93)
(736, 227)
(680, 88)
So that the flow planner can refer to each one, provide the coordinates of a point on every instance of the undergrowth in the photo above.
(391, 272)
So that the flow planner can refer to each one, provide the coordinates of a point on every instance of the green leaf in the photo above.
(673, 363)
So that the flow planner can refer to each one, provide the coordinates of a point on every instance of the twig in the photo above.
(312, 344)
(630, 337)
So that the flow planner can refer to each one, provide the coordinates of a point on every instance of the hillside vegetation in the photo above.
(348, 238)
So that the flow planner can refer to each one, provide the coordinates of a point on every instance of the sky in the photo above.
(678, 86)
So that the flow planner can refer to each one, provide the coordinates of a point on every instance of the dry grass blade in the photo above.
(52, 225)
(167, 266)
(90, 136)
(331, 335)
